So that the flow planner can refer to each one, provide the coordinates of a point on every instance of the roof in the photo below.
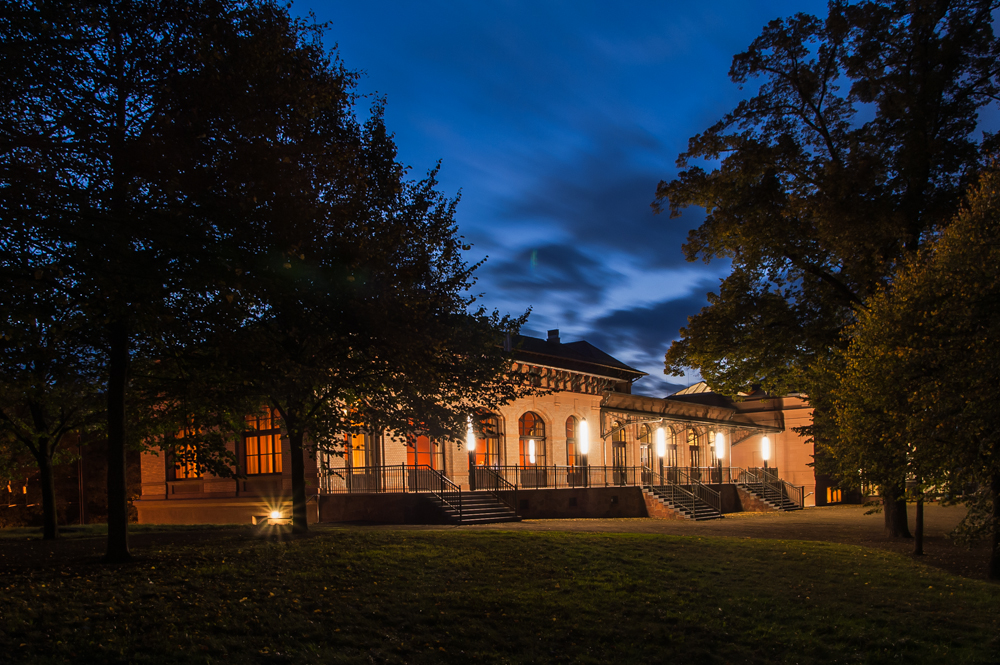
(575, 356)
(711, 410)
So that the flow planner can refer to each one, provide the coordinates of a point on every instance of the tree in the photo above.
(49, 378)
(137, 140)
(366, 325)
(819, 191)
(921, 368)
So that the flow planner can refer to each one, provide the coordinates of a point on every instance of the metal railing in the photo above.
(489, 480)
(772, 488)
(393, 479)
(666, 487)
(556, 477)
(680, 488)
(448, 492)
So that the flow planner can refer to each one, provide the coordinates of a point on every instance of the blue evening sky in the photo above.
(555, 121)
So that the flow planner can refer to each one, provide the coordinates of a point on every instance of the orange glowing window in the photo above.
(488, 449)
(531, 439)
(262, 443)
(185, 458)
(420, 451)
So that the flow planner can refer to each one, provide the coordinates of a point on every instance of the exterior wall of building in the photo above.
(211, 499)
(790, 453)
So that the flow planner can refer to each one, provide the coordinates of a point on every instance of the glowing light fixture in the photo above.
(584, 437)
(531, 450)
(275, 515)
(470, 437)
(765, 448)
(661, 442)
(720, 445)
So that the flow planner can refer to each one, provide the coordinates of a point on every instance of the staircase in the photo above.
(682, 502)
(772, 494)
(477, 508)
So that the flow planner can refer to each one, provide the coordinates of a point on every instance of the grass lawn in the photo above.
(359, 595)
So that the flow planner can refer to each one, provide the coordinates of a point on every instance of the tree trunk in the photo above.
(918, 531)
(117, 548)
(50, 521)
(994, 571)
(894, 507)
(299, 523)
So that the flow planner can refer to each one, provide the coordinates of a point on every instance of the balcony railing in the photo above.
(392, 479)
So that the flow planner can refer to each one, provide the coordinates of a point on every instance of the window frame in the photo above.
(536, 432)
(258, 434)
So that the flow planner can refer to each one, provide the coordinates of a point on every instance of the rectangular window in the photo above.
(359, 450)
(184, 458)
(262, 443)
(186, 469)
(422, 451)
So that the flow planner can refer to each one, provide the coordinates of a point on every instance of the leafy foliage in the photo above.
(919, 382)
(857, 144)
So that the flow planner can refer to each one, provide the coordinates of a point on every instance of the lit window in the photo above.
(185, 459)
(531, 431)
(488, 450)
(262, 443)
(422, 451)
(359, 449)
(645, 455)
(573, 456)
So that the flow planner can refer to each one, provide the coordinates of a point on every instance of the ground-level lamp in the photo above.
(584, 447)
(661, 448)
(531, 451)
(765, 450)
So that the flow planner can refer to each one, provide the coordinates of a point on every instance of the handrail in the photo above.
(703, 491)
(773, 488)
(446, 488)
(498, 486)
(674, 492)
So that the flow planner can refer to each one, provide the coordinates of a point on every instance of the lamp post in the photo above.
(720, 443)
(765, 450)
(470, 443)
(661, 448)
(585, 448)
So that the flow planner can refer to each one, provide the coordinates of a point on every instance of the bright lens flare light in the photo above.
(531, 450)
(720, 445)
(584, 437)
(275, 515)
(765, 448)
(661, 442)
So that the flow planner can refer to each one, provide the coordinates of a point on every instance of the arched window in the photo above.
(489, 452)
(531, 437)
(672, 448)
(573, 455)
(619, 455)
(262, 443)
(694, 452)
(645, 451)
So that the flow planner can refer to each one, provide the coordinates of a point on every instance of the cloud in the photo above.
(640, 336)
(537, 274)
(600, 197)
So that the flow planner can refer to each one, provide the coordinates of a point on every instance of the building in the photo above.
(586, 448)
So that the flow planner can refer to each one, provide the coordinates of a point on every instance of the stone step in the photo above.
(477, 510)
